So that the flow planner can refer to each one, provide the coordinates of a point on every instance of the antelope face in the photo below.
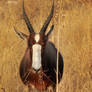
(36, 42)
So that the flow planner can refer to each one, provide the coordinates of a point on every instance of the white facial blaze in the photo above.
(37, 37)
(36, 56)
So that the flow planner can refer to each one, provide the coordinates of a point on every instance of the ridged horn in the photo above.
(43, 29)
(29, 26)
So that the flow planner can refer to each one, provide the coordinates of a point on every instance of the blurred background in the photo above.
(73, 21)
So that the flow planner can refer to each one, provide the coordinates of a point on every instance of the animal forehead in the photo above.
(37, 37)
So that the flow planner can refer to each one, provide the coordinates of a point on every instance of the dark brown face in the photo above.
(37, 38)
(36, 44)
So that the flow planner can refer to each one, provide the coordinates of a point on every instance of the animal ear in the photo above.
(20, 34)
(51, 29)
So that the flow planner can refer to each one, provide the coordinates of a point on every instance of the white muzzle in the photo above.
(36, 56)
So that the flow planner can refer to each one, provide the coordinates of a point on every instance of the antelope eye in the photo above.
(42, 43)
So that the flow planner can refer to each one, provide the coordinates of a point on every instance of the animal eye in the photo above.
(42, 43)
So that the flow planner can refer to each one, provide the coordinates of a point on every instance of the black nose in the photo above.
(36, 70)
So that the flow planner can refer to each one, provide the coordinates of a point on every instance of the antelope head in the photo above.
(36, 41)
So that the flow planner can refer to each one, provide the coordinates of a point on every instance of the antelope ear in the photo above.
(51, 29)
(20, 34)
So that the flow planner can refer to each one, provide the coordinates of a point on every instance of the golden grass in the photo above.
(72, 18)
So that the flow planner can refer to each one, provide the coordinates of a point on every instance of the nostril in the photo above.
(36, 70)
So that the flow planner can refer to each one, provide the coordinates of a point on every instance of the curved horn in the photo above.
(48, 20)
(31, 30)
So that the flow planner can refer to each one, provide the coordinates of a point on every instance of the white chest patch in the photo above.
(37, 37)
(36, 56)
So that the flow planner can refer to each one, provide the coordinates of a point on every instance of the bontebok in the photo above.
(38, 66)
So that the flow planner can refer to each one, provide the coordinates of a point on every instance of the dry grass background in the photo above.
(73, 20)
